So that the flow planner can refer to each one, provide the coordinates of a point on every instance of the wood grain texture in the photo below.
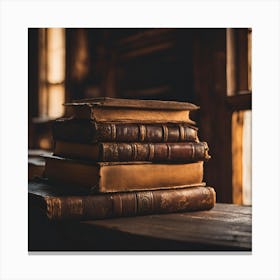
(237, 152)
(209, 56)
(226, 227)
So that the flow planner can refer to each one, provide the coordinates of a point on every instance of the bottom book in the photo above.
(58, 204)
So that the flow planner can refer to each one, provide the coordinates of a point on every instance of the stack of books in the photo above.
(124, 157)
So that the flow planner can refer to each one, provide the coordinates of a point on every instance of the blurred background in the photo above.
(209, 67)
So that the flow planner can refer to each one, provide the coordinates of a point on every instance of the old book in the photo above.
(132, 110)
(122, 176)
(36, 163)
(89, 131)
(36, 166)
(119, 152)
(59, 204)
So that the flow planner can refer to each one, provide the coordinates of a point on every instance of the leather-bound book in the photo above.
(89, 131)
(122, 176)
(130, 110)
(119, 152)
(60, 204)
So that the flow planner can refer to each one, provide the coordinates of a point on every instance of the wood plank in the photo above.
(242, 59)
(196, 233)
(231, 61)
(225, 228)
(240, 101)
(210, 87)
(219, 216)
(181, 225)
(232, 208)
(237, 153)
(180, 218)
(228, 229)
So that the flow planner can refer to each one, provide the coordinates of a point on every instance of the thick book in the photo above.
(36, 163)
(89, 131)
(115, 109)
(58, 204)
(121, 176)
(119, 152)
(36, 167)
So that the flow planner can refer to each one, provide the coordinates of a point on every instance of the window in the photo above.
(51, 72)
(239, 96)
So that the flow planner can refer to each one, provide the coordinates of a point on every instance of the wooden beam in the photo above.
(210, 87)
(242, 58)
(237, 154)
(239, 102)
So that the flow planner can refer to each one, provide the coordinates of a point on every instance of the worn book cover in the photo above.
(60, 203)
(119, 152)
(89, 131)
(133, 103)
(122, 176)
(125, 110)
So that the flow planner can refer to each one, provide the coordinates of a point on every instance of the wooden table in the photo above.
(226, 227)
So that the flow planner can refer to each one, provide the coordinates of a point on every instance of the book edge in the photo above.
(134, 103)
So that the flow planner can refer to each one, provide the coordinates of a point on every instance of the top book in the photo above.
(126, 110)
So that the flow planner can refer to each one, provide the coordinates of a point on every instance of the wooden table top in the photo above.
(226, 227)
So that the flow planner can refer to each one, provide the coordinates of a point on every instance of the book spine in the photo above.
(111, 132)
(87, 131)
(130, 204)
(155, 152)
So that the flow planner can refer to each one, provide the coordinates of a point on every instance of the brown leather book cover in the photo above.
(133, 103)
(88, 131)
(59, 204)
(125, 110)
(122, 176)
(119, 152)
